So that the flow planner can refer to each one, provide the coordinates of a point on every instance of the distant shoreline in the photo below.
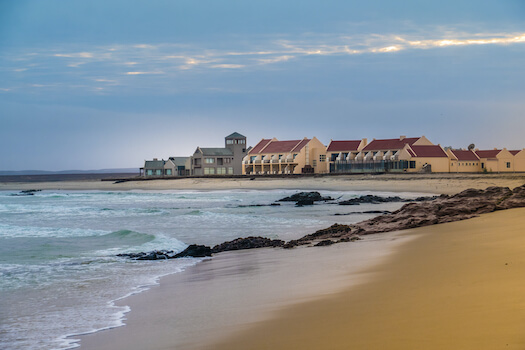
(422, 183)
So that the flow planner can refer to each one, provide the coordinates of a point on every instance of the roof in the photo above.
(235, 135)
(463, 155)
(341, 146)
(428, 151)
(274, 146)
(179, 161)
(488, 154)
(390, 144)
(216, 152)
(258, 147)
(154, 164)
(515, 152)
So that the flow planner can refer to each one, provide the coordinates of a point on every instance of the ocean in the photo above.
(59, 273)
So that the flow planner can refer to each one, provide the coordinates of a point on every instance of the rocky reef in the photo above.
(423, 212)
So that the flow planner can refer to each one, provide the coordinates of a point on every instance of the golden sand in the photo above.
(457, 286)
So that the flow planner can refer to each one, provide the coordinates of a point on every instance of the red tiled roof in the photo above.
(515, 152)
(488, 154)
(341, 146)
(258, 147)
(301, 144)
(284, 146)
(389, 144)
(465, 155)
(429, 151)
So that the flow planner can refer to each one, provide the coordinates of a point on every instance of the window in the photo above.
(334, 156)
(294, 156)
(252, 158)
(209, 171)
(230, 170)
(168, 171)
(219, 161)
(229, 142)
(227, 160)
(412, 164)
(149, 172)
(221, 171)
(314, 162)
(158, 172)
(322, 157)
(508, 165)
(209, 160)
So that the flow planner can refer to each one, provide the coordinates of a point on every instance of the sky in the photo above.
(107, 84)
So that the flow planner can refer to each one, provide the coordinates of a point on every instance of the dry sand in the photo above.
(457, 286)
(421, 183)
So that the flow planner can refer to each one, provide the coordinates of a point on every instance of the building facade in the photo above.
(174, 166)
(271, 156)
(382, 155)
(220, 161)
(464, 161)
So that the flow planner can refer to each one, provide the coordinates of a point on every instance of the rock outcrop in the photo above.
(372, 199)
(247, 243)
(424, 212)
(305, 198)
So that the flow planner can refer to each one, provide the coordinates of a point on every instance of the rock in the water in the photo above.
(195, 251)
(306, 196)
(247, 243)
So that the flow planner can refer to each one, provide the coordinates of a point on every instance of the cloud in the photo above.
(75, 55)
(171, 59)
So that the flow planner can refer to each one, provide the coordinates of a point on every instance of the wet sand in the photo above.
(235, 290)
(459, 285)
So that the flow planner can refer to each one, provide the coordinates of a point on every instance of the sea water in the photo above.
(59, 273)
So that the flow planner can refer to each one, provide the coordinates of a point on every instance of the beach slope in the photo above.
(457, 286)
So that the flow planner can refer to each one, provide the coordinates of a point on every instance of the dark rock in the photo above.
(303, 202)
(373, 199)
(196, 251)
(324, 243)
(306, 196)
(247, 243)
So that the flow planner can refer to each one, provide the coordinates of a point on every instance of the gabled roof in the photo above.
(258, 147)
(343, 146)
(154, 164)
(216, 152)
(179, 161)
(284, 146)
(463, 155)
(428, 151)
(275, 146)
(389, 144)
(515, 152)
(488, 153)
(235, 135)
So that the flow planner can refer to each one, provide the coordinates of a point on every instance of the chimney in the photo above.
(402, 137)
(155, 159)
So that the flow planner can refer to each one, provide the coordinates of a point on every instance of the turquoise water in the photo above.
(59, 274)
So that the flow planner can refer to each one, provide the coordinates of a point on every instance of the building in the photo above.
(382, 155)
(496, 160)
(174, 166)
(338, 152)
(220, 161)
(463, 161)
(425, 158)
(519, 160)
(271, 156)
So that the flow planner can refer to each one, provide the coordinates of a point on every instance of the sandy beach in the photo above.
(456, 286)
(450, 286)
(421, 183)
